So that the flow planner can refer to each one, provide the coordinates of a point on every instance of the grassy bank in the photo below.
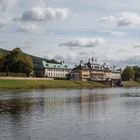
(131, 84)
(38, 84)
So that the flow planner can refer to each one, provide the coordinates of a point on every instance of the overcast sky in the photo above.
(70, 30)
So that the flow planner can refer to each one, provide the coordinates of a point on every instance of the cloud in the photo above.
(123, 19)
(4, 23)
(135, 60)
(116, 33)
(71, 58)
(42, 14)
(5, 4)
(109, 18)
(136, 45)
(86, 53)
(30, 28)
(28, 44)
(84, 42)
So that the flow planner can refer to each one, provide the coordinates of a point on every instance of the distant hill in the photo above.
(4, 51)
(36, 60)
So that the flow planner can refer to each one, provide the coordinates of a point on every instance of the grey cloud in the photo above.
(131, 61)
(116, 33)
(27, 44)
(84, 42)
(69, 59)
(123, 19)
(5, 4)
(136, 45)
(42, 14)
(4, 23)
(29, 28)
(72, 58)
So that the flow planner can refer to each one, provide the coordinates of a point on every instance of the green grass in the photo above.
(38, 84)
(131, 84)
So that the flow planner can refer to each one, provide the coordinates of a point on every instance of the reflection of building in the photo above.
(94, 71)
(52, 70)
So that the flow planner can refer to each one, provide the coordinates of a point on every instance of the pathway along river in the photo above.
(64, 114)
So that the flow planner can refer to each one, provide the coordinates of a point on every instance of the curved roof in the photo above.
(53, 65)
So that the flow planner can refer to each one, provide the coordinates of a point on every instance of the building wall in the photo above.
(74, 76)
(108, 75)
(60, 73)
(97, 74)
(85, 74)
(116, 75)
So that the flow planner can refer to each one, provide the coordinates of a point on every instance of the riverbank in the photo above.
(44, 84)
(131, 84)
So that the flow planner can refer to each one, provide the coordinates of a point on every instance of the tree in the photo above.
(18, 62)
(128, 74)
(16, 52)
(27, 64)
(137, 73)
(2, 60)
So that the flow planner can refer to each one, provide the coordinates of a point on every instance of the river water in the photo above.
(69, 114)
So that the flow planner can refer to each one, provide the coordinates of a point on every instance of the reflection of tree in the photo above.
(19, 106)
(20, 112)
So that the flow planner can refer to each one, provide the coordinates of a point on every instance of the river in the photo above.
(70, 114)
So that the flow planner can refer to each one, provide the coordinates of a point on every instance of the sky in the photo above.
(71, 30)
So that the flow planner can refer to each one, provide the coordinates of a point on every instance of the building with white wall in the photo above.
(53, 70)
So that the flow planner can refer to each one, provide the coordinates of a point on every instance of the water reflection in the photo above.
(20, 106)
(69, 114)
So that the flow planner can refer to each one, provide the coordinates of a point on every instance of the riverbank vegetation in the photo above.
(16, 62)
(131, 73)
(131, 84)
(42, 84)
(131, 76)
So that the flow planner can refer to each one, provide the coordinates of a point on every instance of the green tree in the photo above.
(128, 74)
(27, 64)
(18, 62)
(2, 60)
(16, 52)
(137, 73)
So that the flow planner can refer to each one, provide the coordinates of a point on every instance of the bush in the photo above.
(128, 74)
(4, 74)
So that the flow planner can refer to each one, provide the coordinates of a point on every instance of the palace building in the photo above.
(94, 71)
(52, 70)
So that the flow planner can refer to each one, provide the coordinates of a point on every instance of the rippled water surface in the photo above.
(64, 114)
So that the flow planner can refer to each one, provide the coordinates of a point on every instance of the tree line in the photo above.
(16, 62)
(131, 73)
